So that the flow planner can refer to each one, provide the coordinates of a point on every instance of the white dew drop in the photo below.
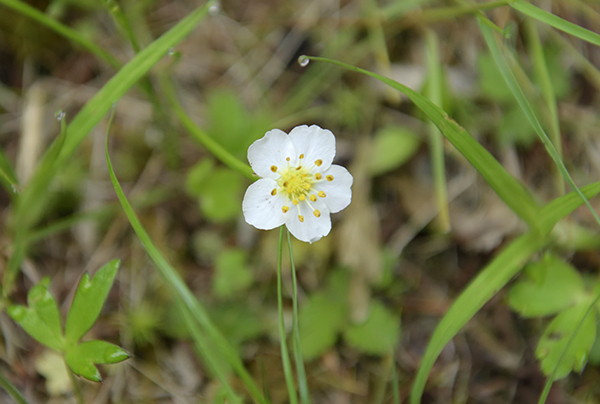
(303, 60)
(171, 51)
(59, 115)
(215, 8)
(15, 188)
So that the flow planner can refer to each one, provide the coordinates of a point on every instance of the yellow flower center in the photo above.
(296, 182)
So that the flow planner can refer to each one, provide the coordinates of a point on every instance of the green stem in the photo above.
(285, 357)
(12, 390)
(302, 383)
(76, 388)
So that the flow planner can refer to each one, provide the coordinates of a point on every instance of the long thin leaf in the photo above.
(181, 291)
(557, 22)
(505, 185)
(511, 81)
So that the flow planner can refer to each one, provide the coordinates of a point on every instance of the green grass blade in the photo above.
(506, 186)
(487, 283)
(543, 75)
(550, 214)
(181, 291)
(201, 136)
(557, 22)
(7, 175)
(511, 81)
(61, 29)
(436, 140)
(12, 390)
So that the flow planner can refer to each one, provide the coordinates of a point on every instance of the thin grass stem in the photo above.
(12, 390)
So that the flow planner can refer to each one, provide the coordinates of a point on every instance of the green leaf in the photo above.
(220, 194)
(232, 275)
(41, 319)
(320, 321)
(553, 348)
(378, 335)
(83, 357)
(88, 301)
(197, 175)
(392, 147)
(557, 22)
(547, 287)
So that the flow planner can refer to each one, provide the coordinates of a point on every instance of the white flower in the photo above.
(299, 185)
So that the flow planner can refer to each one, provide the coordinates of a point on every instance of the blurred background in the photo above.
(389, 255)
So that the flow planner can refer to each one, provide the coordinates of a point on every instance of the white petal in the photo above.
(261, 209)
(338, 192)
(312, 228)
(270, 150)
(315, 143)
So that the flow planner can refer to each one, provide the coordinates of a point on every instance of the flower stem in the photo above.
(302, 383)
(285, 358)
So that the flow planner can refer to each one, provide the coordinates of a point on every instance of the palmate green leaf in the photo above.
(41, 319)
(555, 21)
(88, 301)
(560, 351)
(546, 287)
(83, 357)
(320, 321)
(378, 335)
(517, 197)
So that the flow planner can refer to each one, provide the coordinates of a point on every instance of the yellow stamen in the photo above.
(317, 213)
(313, 198)
(274, 169)
(318, 162)
(274, 192)
(287, 159)
(285, 209)
(302, 197)
(329, 178)
(301, 218)
(295, 201)
(298, 168)
(302, 156)
(318, 176)
(322, 194)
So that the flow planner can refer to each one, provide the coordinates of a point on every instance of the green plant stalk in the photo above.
(75, 384)
(555, 21)
(297, 343)
(285, 356)
(202, 137)
(551, 378)
(526, 107)
(61, 29)
(7, 176)
(395, 383)
(591, 71)
(517, 197)
(541, 69)
(449, 13)
(436, 139)
(181, 291)
(123, 23)
(12, 390)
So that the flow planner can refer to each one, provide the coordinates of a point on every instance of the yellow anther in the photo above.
(287, 159)
(329, 178)
(322, 194)
(307, 187)
(318, 176)
(285, 209)
(317, 213)
(302, 197)
(274, 192)
(298, 168)
(313, 197)
(274, 169)
(301, 218)
(302, 156)
(295, 201)
(318, 162)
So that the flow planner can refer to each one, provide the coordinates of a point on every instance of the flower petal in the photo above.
(261, 209)
(312, 228)
(338, 191)
(268, 151)
(315, 143)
